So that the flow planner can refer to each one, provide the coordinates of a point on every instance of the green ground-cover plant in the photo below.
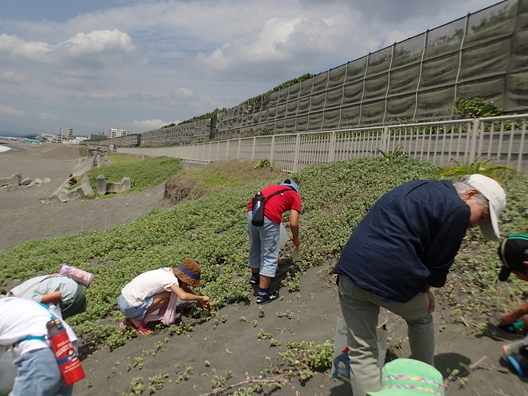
(143, 173)
(116, 159)
(156, 382)
(234, 173)
(212, 229)
(307, 357)
(197, 182)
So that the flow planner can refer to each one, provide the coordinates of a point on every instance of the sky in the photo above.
(138, 65)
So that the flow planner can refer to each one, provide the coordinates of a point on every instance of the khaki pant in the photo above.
(360, 311)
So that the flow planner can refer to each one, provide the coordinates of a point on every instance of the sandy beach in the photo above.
(25, 214)
(230, 342)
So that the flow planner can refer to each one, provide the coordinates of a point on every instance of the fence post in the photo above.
(331, 147)
(297, 148)
(239, 146)
(385, 138)
(474, 130)
(272, 149)
(253, 149)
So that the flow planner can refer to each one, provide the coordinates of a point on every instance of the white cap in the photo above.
(496, 197)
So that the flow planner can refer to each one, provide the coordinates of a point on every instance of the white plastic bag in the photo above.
(8, 370)
(340, 364)
(283, 237)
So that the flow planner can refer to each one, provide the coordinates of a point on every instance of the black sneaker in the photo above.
(263, 298)
(255, 279)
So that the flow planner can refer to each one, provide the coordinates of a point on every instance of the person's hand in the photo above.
(296, 242)
(206, 303)
(430, 297)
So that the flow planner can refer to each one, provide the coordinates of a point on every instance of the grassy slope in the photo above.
(212, 229)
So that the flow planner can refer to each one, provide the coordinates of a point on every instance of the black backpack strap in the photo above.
(279, 192)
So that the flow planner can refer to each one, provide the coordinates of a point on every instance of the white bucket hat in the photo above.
(496, 197)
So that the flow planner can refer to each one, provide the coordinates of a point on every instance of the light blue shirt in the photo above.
(35, 288)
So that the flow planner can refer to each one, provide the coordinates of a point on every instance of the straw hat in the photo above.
(189, 272)
(406, 377)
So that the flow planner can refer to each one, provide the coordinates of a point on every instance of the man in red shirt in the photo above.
(264, 240)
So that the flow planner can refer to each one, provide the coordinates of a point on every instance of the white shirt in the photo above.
(20, 318)
(148, 284)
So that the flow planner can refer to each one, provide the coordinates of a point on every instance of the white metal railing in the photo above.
(504, 139)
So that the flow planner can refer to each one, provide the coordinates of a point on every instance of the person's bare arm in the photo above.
(294, 227)
(512, 317)
(51, 298)
(187, 296)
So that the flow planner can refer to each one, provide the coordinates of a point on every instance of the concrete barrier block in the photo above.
(62, 197)
(13, 180)
(126, 183)
(101, 185)
(77, 192)
(87, 187)
(104, 188)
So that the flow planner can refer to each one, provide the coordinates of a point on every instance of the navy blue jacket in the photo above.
(407, 240)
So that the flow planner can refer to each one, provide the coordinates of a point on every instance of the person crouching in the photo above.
(150, 291)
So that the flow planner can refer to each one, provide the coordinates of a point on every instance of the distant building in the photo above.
(97, 136)
(65, 134)
(115, 132)
(47, 137)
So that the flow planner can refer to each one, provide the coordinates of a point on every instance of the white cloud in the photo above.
(283, 45)
(182, 93)
(149, 125)
(47, 116)
(16, 49)
(95, 49)
(8, 110)
(14, 77)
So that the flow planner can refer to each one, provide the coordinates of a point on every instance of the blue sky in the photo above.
(92, 65)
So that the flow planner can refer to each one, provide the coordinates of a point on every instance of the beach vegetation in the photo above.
(212, 229)
(143, 173)
(306, 357)
(124, 159)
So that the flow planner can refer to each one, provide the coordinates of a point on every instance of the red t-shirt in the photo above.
(278, 204)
